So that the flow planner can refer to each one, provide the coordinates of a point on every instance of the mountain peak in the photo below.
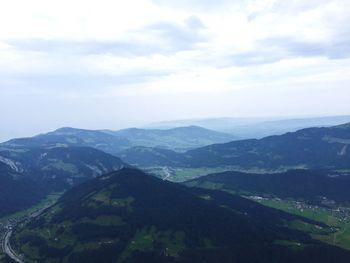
(129, 216)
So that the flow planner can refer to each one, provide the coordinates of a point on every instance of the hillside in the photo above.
(16, 192)
(307, 185)
(309, 148)
(67, 164)
(27, 175)
(128, 216)
(147, 156)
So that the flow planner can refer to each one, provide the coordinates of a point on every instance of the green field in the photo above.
(337, 218)
(182, 174)
(145, 238)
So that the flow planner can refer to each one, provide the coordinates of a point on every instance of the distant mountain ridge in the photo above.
(307, 148)
(178, 139)
(256, 128)
(72, 137)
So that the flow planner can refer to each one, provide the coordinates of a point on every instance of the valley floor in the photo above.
(182, 174)
(334, 215)
(9, 222)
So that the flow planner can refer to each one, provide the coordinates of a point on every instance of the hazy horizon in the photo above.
(109, 64)
(162, 124)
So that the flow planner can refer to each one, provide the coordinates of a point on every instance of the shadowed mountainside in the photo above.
(27, 175)
(307, 185)
(128, 216)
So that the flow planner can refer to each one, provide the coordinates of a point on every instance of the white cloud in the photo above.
(169, 52)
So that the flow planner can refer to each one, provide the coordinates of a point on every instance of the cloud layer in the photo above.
(146, 60)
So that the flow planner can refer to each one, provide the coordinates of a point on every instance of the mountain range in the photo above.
(30, 168)
(177, 139)
(112, 212)
(256, 128)
(306, 148)
(58, 160)
(325, 147)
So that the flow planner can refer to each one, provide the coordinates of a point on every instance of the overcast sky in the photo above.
(113, 64)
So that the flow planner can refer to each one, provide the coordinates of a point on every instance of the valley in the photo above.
(184, 131)
(160, 205)
(183, 174)
(14, 221)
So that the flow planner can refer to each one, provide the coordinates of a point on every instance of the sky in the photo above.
(113, 64)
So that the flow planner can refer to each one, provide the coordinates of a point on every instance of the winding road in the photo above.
(167, 173)
(6, 246)
(5, 242)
